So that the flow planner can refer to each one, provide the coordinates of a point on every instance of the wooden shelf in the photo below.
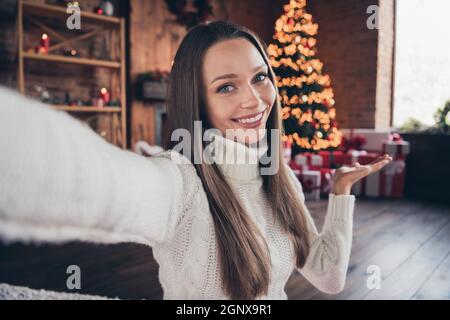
(59, 12)
(94, 25)
(86, 108)
(72, 60)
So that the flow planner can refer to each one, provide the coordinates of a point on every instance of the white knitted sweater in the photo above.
(60, 181)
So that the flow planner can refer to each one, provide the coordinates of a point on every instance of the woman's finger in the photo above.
(358, 171)
(353, 174)
(380, 164)
(380, 158)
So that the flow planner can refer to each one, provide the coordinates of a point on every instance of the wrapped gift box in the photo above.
(308, 159)
(326, 179)
(388, 182)
(311, 181)
(396, 148)
(394, 180)
(294, 166)
(343, 159)
(374, 138)
(328, 158)
(356, 154)
(335, 159)
(368, 157)
(368, 186)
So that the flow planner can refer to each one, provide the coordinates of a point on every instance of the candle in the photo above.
(98, 11)
(45, 42)
(104, 95)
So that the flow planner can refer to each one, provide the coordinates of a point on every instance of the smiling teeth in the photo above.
(251, 120)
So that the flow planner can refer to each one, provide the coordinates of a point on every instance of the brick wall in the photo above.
(358, 60)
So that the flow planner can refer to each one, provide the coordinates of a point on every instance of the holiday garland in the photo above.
(190, 16)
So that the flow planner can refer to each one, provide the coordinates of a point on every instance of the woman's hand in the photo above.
(346, 176)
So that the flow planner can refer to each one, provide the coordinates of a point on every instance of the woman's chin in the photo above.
(250, 136)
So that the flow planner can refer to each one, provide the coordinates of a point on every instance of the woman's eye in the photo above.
(259, 78)
(264, 75)
(223, 89)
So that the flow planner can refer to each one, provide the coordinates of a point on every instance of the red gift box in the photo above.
(343, 159)
(388, 182)
(310, 181)
(368, 157)
(328, 158)
(394, 174)
(334, 159)
(326, 179)
(369, 185)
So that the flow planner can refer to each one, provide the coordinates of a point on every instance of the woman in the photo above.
(219, 230)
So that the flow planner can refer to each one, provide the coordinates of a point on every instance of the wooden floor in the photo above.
(408, 241)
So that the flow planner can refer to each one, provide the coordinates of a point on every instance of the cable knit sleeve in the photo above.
(327, 263)
(60, 181)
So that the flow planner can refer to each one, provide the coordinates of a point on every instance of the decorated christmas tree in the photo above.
(308, 107)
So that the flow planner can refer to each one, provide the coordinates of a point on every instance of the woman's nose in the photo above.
(250, 98)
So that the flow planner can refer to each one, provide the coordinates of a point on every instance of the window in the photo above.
(422, 66)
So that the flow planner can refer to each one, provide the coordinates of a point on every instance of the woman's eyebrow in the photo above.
(233, 75)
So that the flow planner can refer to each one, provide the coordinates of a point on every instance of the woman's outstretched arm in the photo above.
(327, 263)
(60, 181)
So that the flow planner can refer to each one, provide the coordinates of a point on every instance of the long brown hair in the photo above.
(244, 255)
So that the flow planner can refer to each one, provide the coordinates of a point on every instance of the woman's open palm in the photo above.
(346, 176)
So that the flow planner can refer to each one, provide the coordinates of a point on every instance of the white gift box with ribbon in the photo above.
(374, 138)
(395, 148)
(391, 170)
(310, 181)
(383, 183)
(306, 160)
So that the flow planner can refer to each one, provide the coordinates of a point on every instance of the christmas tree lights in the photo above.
(308, 105)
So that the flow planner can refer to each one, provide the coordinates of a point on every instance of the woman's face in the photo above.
(239, 93)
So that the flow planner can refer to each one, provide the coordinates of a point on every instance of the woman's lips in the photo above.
(252, 121)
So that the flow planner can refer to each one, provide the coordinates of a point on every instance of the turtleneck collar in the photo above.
(237, 160)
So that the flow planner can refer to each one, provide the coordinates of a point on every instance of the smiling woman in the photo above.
(218, 230)
(240, 99)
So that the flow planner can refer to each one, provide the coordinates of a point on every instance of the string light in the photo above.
(305, 93)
